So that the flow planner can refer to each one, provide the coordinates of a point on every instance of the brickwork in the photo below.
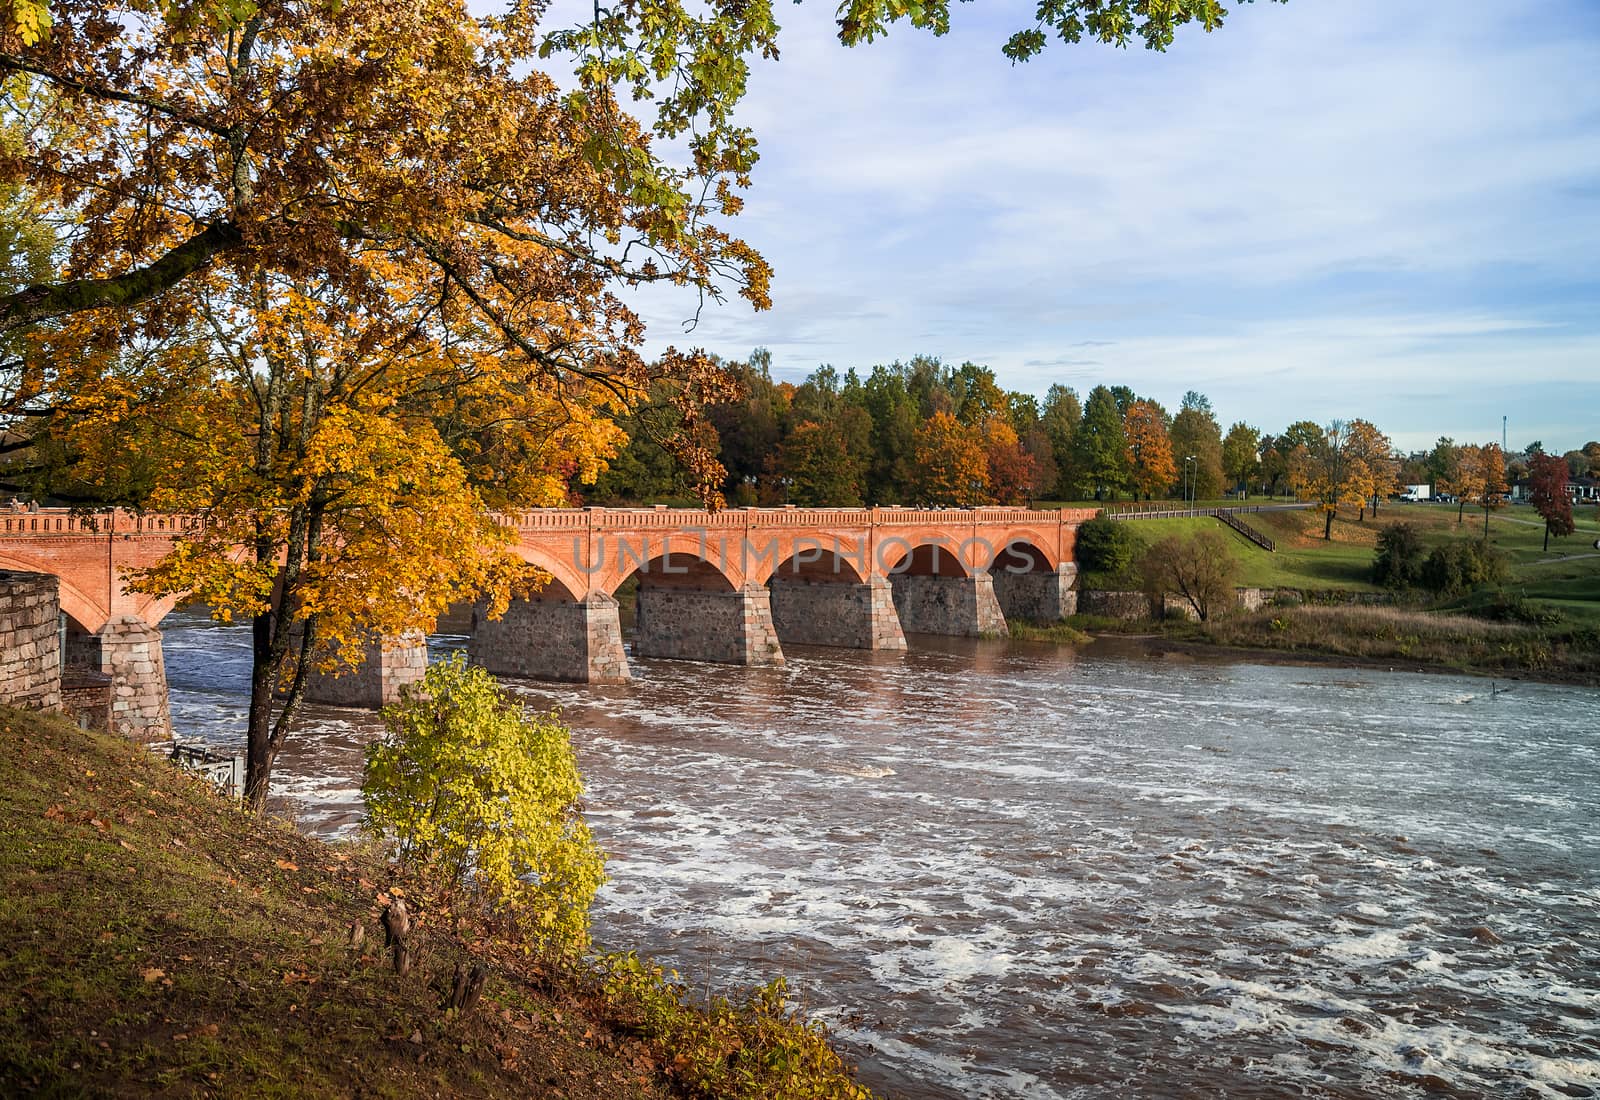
(390, 664)
(698, 625)
(554, 640)
(86, 698)
(959, 606)
(836, 613)
(30, 640)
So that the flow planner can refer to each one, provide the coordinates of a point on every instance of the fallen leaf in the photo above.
(154, 974)
(56, 812)
(285, 865)
(128, 846)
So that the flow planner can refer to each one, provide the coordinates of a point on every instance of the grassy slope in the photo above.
(1568, 576)
(157, 940)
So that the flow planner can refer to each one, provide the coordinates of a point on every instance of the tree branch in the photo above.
(43, 301)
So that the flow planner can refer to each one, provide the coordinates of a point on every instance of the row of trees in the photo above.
(923, 432)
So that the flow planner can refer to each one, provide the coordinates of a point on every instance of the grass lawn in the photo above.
(1567, 577)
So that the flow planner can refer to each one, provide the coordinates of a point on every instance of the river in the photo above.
(1012, 870)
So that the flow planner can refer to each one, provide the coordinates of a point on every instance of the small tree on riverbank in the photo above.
(485, 796)
(1199, 570)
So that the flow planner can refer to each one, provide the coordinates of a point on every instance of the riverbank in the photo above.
(159, 940)
(1375, 637)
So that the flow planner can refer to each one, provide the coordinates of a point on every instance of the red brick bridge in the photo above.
(731, 586)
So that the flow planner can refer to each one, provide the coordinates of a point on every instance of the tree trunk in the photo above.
(1546, 536)
(1461, 510)
(1327, 526)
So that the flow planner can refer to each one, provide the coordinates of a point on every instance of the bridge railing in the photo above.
(69, 521)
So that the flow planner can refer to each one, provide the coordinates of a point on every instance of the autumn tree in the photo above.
(1484, 478)
(1547, 483)
(1295, 445)
(1370, 463)
(1012, 474)
(354, 280)
(1149, 448)
(1240, 457)
(1327, 474)
(952, 469)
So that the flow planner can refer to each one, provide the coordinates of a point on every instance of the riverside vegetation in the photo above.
(161, 939)
(1413, 587)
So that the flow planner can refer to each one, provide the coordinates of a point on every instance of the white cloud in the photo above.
(1371, 190)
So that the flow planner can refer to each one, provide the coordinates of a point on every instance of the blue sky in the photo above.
(1334, 208)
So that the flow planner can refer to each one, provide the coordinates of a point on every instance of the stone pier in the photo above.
(809, 611)
(1038, 596)
(554, 639)
(959, 606)
(128, 650)
(389, 665)
(696, 624)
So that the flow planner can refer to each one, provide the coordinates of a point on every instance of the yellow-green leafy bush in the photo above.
(479, 791)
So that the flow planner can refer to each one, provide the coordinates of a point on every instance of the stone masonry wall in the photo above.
(578, 641)
(833, 613)
(960, 606)
(386, 669)
(1037, 597)
(30, 640)
(1115, 605)
(693, 624)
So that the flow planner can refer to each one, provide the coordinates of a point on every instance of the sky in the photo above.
(1331, 208)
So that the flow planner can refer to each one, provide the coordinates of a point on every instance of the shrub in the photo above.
(1199, 570)
(1106, 546)
(485, 795)
(1457, 567)
(1398, 562)
(757, 1048)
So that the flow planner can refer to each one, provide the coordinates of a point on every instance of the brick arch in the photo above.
(566, 579)
(661, 559)
(77, 605)
(1023, 551)
(835, 559)
(152, 609)
(924, 555)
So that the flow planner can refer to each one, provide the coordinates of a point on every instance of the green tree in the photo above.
(1059, 419)
(817, 469)
(485, 796)
(1106, 546)
(1240, 455)
(1196, 435)
(895, 419)
(1100, 449)
(1399, 558)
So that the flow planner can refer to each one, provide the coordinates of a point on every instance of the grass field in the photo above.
(1567, 577)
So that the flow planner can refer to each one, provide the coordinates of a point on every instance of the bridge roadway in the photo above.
(730, 586)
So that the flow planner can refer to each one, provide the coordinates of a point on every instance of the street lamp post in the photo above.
(1188, 481)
